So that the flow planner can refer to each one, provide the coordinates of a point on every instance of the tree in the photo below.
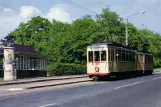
(34, 33)
(67, 42)
(111, 26)
(9, 39)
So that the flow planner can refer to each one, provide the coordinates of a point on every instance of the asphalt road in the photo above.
(134, 92)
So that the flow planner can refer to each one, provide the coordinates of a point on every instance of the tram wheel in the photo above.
(96, 78)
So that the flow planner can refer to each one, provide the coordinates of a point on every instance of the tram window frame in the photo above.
(119, 55)
(96, 56)
(104, 58)
(127, 56)
(90, 56)
(150, 58)
(130, 57)
(134, 57)
(112, 54)
(123, 55)
(141, 58)
(146, 58)
(109, 54)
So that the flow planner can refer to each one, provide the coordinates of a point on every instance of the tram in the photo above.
(105, 59)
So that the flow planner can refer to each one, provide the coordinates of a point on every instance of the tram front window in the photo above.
(103, 55)
(90, 56)
(97, 56)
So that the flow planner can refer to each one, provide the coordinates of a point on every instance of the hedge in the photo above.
(59, 69)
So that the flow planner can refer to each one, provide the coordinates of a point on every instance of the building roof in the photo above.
(24, 50)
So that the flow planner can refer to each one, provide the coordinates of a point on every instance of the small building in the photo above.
(28, 62)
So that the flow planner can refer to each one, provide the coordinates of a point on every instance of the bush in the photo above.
(59, 69)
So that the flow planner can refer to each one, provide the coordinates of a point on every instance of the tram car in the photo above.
(106, 59)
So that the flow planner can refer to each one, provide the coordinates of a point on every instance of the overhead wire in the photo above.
(69, 2)
(77, 5)
(15, 9)
(104, 4)
(86, 9)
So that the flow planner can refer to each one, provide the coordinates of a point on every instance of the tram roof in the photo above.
(118, 45)
(110, 44)
(147, 53)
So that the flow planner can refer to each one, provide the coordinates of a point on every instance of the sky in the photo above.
(13, 12)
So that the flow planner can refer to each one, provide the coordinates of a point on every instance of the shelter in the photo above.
(28, 62)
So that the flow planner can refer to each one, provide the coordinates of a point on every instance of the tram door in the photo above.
(140, 65)
(112, 59)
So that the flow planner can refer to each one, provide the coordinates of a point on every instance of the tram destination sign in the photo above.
(98, 48)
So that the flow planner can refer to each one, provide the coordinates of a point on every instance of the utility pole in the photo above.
(142, 12)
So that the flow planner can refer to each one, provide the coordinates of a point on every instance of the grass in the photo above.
(157, 69)
(1, 79)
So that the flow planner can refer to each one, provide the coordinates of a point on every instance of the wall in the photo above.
(28, 73)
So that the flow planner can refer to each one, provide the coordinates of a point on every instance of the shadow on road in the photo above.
(122, 77)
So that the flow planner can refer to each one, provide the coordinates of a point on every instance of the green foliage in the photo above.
(66, 43)
(59, 69)
(1, 79)
(34, 33)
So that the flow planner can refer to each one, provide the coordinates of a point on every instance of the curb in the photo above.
(157, 72)
(41, 80)
(6, 96)
(42, 86)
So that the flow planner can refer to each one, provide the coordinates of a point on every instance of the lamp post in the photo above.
(142, 12)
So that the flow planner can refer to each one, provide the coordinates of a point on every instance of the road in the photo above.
(134, 92)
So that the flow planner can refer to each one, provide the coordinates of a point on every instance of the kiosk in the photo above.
(8, 63)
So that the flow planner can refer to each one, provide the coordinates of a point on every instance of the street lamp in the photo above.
(142, 12)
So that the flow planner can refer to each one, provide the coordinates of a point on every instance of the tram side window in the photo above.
(103, 55)
(150, 58)
(140, 58)
(130, 56)
(127, 55)
(109, 54)
(112, 55)
(96, 55)
(123, 55)
(90, 56)
(134, 57)
(119, 54)
(146, 58)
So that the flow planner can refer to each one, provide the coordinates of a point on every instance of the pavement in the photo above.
(40, 79)
(32, 83)
(142, 91)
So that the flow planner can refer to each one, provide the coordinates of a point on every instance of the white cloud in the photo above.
(60, 13)
(7, 9)
(10, 19)
(147, 1)
(29, 11)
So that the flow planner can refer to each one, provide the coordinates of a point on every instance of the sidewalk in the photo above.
(43, 84)
(16, 89)
(40, 79)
